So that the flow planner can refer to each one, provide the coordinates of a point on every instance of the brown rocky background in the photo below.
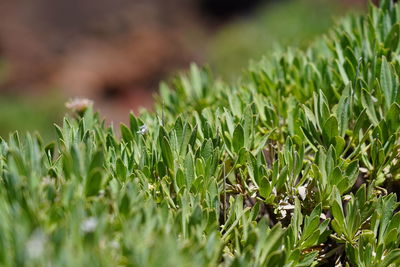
(112, 51)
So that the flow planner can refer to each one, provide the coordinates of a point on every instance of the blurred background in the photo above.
(116, 52)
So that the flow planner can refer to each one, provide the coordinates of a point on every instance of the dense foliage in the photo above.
(294, 165)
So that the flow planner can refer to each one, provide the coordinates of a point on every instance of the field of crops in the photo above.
(294, 164)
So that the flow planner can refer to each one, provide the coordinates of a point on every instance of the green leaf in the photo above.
(133, 123)
(180, 178)
(93, 182)
(189, 169)
(393, 38)
(330, 129)
(167, 153)
(120, 170)
(393, 116)
(238, 138)
(343, 111)
(340, 144)
(126, 133)
(248, 127)
(97, 160)
(186, 137)
(386, 82)
(265, 187)
(338, 222)
(367, 101)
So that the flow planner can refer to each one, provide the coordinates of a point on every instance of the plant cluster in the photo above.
(297, 164)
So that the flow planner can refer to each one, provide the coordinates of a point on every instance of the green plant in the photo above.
(268, 30)
(294, 165)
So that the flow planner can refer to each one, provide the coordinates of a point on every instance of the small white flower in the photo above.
(142, 130)
(387, 170)
(287, 207)
(284, 207)
(302, 192)
(79, 104)
(114, 244)
(89, 225)
(347, 198)
(35, 244)
(283, 213)
(47, 181)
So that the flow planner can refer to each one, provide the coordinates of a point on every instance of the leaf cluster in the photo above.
(294, 165)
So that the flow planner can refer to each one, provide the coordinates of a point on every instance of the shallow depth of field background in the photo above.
(117, 51)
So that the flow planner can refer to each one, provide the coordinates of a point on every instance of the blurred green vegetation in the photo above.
(29, 112)
(33, 113)
(284, 23)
